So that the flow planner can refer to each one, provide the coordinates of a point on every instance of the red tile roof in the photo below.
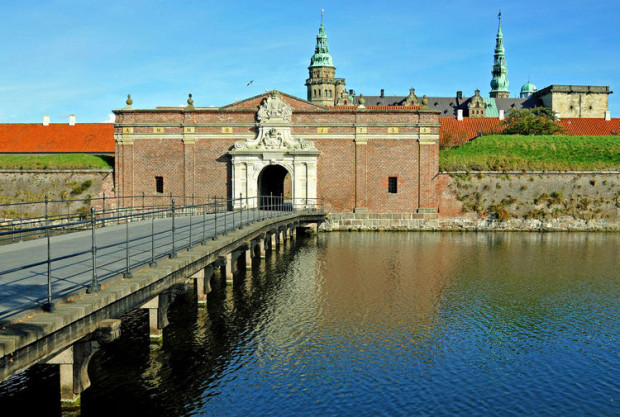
(469, 127)
(97, 138)
(591, 127)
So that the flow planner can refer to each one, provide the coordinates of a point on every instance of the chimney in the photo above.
(382, 93)
(46, 120)
(459, 97)
(501, 115)
(459, 115)
(607, 115)
(352, 93)
(72, 120)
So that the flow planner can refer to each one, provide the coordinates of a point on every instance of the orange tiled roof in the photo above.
(468, 128)
(591, 127)
(57, 138)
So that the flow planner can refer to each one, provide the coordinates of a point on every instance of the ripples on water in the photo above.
(372, 324)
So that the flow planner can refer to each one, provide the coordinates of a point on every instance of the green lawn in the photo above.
(59, 161)
(550, 153)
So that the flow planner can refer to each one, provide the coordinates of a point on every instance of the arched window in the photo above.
(326, 93)
(315, 92)
(319, 92)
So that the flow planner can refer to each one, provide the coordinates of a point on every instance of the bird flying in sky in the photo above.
(249, 83)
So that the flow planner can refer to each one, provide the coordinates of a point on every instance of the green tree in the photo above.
(536, 121)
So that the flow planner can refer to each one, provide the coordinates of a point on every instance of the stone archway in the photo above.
(271, 184)
(274, 152)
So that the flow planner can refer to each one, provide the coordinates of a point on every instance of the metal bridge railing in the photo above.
(115, 241)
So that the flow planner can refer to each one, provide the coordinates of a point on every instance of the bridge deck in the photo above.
(32, 334)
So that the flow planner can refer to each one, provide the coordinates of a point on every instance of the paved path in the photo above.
(72, 265)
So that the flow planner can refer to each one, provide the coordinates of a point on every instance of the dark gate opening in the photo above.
(273, 182)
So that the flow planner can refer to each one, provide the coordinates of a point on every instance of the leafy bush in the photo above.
(536, 121)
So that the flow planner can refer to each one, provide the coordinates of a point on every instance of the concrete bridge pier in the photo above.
(158, 316)
(261, 245)
(273, 240)
(202, 284)
(73, 363)
(229, 266)
(249, 254)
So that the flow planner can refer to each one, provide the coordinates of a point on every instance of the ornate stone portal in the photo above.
(274, 145)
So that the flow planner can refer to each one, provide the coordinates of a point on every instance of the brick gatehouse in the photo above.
(379, 159)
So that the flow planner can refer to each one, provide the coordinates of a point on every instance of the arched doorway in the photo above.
(274, 187)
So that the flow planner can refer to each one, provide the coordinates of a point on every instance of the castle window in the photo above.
(315, 92)
(159, 185)
(325, 93)
(392, 185)
(330, 95)
(319, 92)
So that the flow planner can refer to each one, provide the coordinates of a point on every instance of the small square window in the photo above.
(392, 185)
(159, 185)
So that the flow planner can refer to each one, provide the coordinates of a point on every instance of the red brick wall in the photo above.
(393, 158)
(336, 174)
(349, 176)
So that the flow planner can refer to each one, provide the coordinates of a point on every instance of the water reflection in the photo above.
(379, 324)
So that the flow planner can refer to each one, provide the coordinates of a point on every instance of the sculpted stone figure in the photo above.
(273, 107)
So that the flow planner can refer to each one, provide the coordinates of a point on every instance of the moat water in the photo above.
(375, 324)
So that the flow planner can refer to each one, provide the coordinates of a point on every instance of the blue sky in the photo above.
(63, 57)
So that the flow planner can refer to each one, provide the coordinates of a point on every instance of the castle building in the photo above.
(357, 157)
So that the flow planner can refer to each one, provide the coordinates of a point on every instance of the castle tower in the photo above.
(322, 82)
(528, 89)
(499, 82)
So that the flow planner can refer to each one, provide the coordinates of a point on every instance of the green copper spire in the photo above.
(321, 57)
(499, 82)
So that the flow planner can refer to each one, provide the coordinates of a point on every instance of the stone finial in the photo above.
(190, 103)
(424, 102)
(361, 102)
(129, 102)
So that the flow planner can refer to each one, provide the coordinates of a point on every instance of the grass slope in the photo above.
(58, 161)
(549, 153)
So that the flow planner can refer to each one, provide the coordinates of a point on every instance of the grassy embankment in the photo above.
(520, 153)
(60, 161)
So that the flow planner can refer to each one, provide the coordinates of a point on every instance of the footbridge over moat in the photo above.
(61, 295)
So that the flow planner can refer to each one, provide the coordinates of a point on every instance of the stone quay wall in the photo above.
(519, 201)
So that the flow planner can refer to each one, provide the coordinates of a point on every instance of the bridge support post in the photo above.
(273, 241)
(73, 363)
(229, 268)
(208, 271)
(200, 285)
(261, 244)
(69, 385)
(158, 316)
(248, 255)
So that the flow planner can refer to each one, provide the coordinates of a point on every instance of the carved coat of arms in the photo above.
(274, 133)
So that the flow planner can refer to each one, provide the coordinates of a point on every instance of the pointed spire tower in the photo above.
(322, 81)
(499, 82)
